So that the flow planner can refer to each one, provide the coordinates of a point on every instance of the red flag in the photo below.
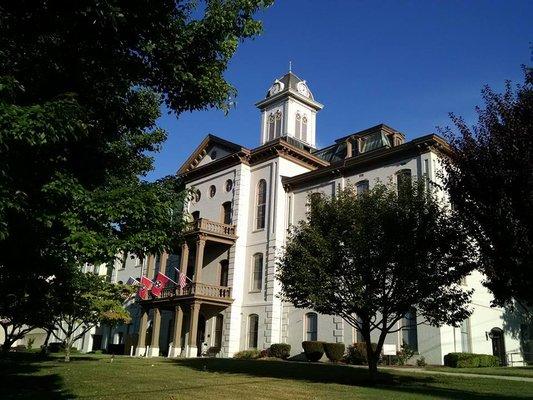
(159, 284)
(182, 281)
(146, 285)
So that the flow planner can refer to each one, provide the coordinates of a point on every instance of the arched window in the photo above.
(224, 271)
(274, 125)
(257, 272)
(300, 128)
(298, 125)
(253, 328)
(304, 128)
(311, 326)
(410, 329)
(261, 204)
(226, 212)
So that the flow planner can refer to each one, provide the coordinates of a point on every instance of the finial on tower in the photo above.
(290, 66)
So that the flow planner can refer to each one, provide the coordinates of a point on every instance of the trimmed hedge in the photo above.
(280, 350)
(313, 350)
(247, 354)
(334, 351)
(357, 353)
(470, 360)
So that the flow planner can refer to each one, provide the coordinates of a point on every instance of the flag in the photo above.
(146, 285)
(132, 281)
(182, 279)
(159, 284)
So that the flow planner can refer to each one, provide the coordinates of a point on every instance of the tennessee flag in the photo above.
(159, 284)
(146, 285)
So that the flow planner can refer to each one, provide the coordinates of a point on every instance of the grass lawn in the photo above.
(504, 371)
(24, 376)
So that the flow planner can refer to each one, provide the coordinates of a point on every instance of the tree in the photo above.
(489, 176)
(370, 258)
(84, 301)
(81, 88)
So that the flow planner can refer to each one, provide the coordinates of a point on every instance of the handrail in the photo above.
(208, 226)
(198, 289)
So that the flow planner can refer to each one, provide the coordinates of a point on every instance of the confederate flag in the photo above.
(146, 285)
(159, 284)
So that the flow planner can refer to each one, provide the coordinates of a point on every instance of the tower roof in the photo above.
(290, 81)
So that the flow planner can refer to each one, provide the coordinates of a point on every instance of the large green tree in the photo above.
(371, 258)
(489, 176)
(82, 84)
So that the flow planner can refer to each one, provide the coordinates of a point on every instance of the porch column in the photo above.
(141, 341)
(199, 261)
(163, 262)
(156, 326)
(150, 267)
(193, 329)
(175, 350)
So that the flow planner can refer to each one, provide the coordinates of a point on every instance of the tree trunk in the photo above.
(67, 351)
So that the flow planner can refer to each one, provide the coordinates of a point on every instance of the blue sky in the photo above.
(403, 63)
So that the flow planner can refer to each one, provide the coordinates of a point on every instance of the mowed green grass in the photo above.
(24, 376)
(526, 372)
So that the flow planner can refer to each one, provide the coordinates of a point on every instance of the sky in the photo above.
(407, 64)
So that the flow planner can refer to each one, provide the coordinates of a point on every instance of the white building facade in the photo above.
(244, 200)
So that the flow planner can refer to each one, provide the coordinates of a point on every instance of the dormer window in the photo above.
(274, 125)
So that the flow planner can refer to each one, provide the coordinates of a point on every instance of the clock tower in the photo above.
(289, 109)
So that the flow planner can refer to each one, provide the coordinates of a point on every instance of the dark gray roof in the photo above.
(290, 81)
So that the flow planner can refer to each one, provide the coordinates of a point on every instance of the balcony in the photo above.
(216, 231)
(196, 291)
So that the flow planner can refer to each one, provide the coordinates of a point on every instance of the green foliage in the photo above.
(280, 350)
(421, 362)
(488, 177)
(252, 354)
(313, 350)
(357, 354)
(470, 360)
(405, 353)
(81, 89)
(370, 258)
(334, 351)
(31, 341)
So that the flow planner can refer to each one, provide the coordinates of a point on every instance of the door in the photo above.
(224, 270)
(200, 337)
(218, 331)
(498, 345)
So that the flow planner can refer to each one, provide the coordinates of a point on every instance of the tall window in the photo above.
(218, 330)
(226, 212)
(362, 187)
(224, 271)
(304, 128)
(261, 196)
(253, 328)
(465, 336)
(409, 329)
(403, 179)
(274, 125)
(300, 128)
(311, 326)
(257, 272)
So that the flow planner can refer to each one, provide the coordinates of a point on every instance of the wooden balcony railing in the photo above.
(198, 289)
(211, 227)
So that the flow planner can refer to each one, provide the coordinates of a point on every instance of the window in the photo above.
(224, 271)
(195, 215)
(253, 328)
(197, 195)
(362, 187)
(218, 330)
(257, 272)
(214, 155)
(409, 329)
(298, 125)
(300, 128)
(226, 212)
(229, 185)
(261, 205)
(212, 191)
(403, 179)
(311, 326)
(304, 128)
(274, 125)
(465, 336)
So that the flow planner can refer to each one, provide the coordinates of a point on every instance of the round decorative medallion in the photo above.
(212, 191)
(229, 185)
(197, 195)
(302, 89)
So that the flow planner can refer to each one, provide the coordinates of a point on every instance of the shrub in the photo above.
(55, 347)
(31, 341)
(470, 360)
(313, 350)
(421, 362)
(357, 353)
(405, 353)
(263, 353)
(247, 354)
(334, 351)
(280, 350)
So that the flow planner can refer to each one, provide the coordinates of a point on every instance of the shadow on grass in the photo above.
(438, 387)
(22, 377)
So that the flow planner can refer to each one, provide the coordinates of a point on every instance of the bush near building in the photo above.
(247, 354)
(356, 353)
(470, 360)
(313, 350)
(280, 350)
(334, 351)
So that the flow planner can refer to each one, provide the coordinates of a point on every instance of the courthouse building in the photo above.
(243, 202)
